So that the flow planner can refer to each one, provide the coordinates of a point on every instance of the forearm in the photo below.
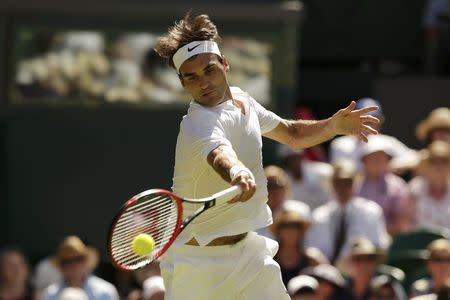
(222, 159)
(306, 133)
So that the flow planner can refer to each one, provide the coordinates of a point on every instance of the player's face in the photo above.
(204, 77)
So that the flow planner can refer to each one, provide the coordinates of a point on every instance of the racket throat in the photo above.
(196, 213)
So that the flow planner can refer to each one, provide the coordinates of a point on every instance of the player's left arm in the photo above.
(307, 133)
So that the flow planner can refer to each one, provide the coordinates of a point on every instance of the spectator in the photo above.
(289, 228)
(73, 293)
(436, 127)
(14, 275)
(73, 260)
(303, 287)
(385, 287)
(278, 187)
(336, 223)
(438, 265)
(153, 288)
(349, 147)
(331, 282)
(380, 185)
(431, 191)
(309, 180)
(362, 265)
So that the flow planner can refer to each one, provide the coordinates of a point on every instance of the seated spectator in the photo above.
(438, 265)
(303, 287)
(309, 180)
(436, 127)
(362, 264)
(384, 287)
(349, 147)
(336, 223)
(14, 275)
(73, 260)
(331, 282)
(430, 193)
(380, 185)
(153, 288)
(289, 228)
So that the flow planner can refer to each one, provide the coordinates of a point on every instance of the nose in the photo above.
(204, 83)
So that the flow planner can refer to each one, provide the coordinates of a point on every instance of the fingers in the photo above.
(349, 108)
(370, 119)
(363, 137)
(248, 188)
(366, 129)
(366, 110)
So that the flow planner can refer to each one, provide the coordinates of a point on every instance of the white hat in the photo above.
(300, 208)
(302, 282)
(151, 286)
(376, 143)
(73, 293)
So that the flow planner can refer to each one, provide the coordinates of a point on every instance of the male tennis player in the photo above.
(218, 256)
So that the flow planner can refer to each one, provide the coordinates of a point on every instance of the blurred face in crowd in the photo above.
(290, 233)
(385, 292)
(376, 164)
(439, 265)
(363, 266)
(277, 194)
(343, 188)
(74, 268)
(437, 170)
(204, 77)
(326, 289)
(13, 269)
(440, 134)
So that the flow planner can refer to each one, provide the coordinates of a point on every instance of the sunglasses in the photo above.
(364, 258)
(438, 259)
(343, 182)
(73, 260)
(291, 225)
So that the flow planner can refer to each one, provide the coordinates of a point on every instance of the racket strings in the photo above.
(156, 215)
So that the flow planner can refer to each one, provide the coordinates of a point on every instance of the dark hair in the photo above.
(189, 29)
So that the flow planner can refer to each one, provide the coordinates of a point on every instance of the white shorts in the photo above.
(243, 271)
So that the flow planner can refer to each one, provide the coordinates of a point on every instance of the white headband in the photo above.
(194, 48)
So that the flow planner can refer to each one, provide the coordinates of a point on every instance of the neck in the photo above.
(360, 284)
(76, 282)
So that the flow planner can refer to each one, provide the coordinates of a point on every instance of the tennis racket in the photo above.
(158, 213)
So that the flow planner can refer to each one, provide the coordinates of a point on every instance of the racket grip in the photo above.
(227, 195)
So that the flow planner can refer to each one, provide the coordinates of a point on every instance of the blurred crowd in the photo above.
(372, 223)
(91, 66)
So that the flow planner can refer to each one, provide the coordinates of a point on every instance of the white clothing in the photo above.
(202, 130)
(310, 190)
(45, 274)
(243, 271)
(430, 212)
(349, 147)
(363, 217)
(95, 287)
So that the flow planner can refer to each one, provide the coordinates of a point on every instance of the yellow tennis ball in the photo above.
(143, 244)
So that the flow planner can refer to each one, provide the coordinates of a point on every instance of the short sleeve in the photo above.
(267, 119)
(204, 134)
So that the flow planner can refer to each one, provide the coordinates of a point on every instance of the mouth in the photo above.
(207, 93)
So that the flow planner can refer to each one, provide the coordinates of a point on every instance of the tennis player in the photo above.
(219, 256)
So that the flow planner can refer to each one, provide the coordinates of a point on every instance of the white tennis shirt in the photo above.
(202, 130)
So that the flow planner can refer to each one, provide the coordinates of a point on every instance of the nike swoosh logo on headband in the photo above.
(190, 49)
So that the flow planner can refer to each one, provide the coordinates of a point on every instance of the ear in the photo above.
(225, 63)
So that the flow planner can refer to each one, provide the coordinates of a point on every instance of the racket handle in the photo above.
(227, 195)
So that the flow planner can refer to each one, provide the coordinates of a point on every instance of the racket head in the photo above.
(156, 212)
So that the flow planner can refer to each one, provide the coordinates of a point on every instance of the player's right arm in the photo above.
(224, 161)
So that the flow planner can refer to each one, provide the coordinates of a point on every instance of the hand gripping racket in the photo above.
(158, 213)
